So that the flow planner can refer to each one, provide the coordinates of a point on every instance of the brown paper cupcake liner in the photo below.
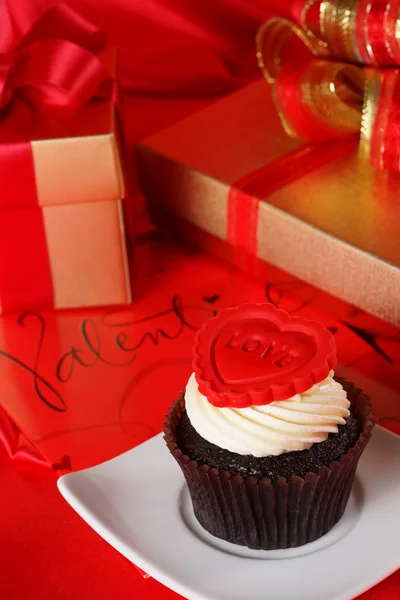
(266, 514)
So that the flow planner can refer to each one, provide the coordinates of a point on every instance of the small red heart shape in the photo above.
(254, 354)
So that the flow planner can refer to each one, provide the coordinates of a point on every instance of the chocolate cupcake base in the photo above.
(270, 513)
(284, 465)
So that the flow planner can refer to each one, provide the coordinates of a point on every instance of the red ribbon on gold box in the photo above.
(231, 180)
(61, 229)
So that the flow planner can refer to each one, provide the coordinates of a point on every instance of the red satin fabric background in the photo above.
(175, 56)
(181, 46)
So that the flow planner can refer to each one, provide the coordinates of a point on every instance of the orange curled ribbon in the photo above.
(335, 74)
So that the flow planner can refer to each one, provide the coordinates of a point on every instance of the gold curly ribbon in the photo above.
(338, 91)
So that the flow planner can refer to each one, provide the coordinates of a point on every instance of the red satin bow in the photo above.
(48, 57)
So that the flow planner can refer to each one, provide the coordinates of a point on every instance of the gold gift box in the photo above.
(324, 215)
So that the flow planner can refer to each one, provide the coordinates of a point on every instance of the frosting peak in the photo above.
(271, 429)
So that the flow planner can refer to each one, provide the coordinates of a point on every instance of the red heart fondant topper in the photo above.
(255, 354)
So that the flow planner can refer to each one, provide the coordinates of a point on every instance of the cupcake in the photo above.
(267, 437)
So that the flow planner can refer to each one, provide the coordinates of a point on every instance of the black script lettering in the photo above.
(115, 319)
(88, 356)
(43, 388)
(91, 352)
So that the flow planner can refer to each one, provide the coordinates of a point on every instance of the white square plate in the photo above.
(139, 504)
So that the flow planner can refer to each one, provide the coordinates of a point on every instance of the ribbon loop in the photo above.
(272, 40)
(321, 99)
(58, 77)
(49, 59)
(339, 84)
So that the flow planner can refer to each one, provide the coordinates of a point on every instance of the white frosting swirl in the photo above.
(284, 426)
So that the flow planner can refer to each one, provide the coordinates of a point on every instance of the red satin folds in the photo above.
(48, 57)
(17, 446)
(182, 47)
